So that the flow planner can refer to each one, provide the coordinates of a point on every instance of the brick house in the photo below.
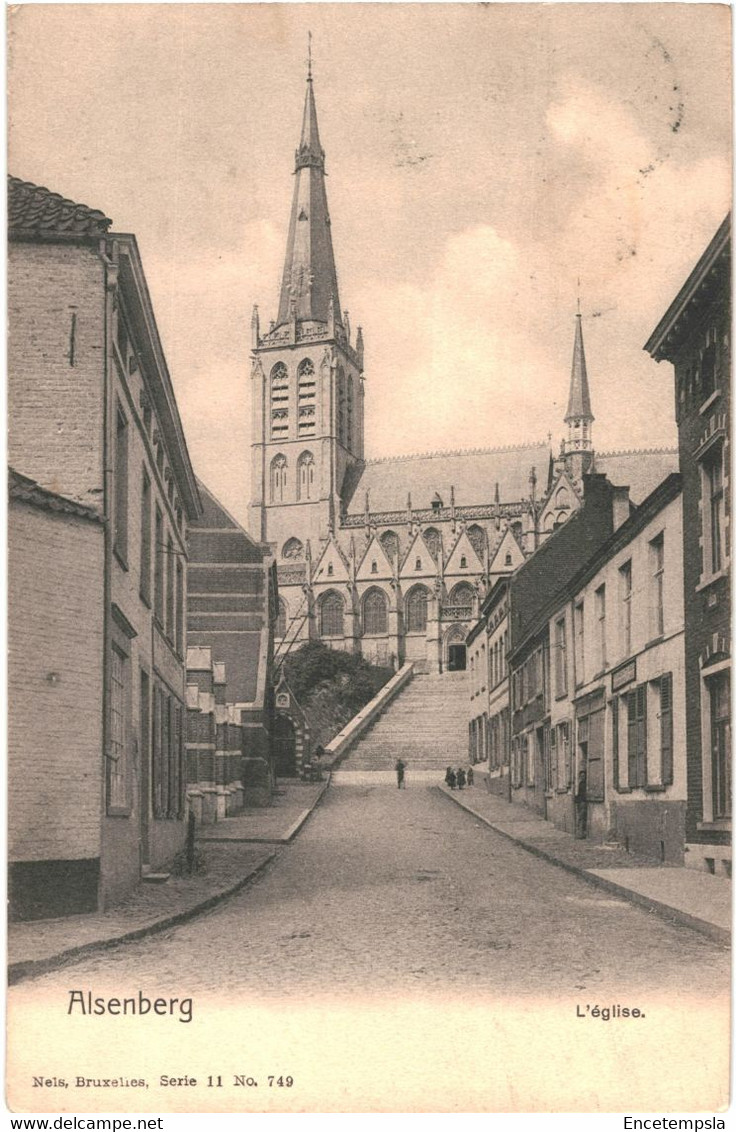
(93, 420)
(231, 613)
(532, 589)
(694, 335)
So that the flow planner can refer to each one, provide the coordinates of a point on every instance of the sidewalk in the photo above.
(235, 851)
(690, 897)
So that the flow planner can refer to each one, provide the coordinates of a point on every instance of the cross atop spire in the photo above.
(310, 278)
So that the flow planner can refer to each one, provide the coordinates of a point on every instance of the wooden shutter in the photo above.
(665, 728)
(637, 701)
(596, 785)
(555, 781)
(614, 718)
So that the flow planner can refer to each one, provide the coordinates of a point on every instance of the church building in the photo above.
(389, 557)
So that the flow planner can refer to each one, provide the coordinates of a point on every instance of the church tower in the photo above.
(307, 375)
(578, 448)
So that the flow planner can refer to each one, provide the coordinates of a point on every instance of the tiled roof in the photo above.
(640, 471)
(26, 490)
(34, 210)
(473, 474)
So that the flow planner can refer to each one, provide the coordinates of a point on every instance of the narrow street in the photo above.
(389, 889)
(398, 955)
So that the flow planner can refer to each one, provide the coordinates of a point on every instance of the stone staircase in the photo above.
(426, 725)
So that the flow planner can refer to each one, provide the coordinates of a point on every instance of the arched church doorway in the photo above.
(455, 651)
(284, 747)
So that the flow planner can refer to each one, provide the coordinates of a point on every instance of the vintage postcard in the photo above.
(369, 558)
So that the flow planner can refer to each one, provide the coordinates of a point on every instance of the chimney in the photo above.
(621, 506)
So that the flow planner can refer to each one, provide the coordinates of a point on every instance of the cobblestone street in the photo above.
(392, 889)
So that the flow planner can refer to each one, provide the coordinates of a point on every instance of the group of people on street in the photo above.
(459, 778)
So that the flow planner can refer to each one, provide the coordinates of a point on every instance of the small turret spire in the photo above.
(579, 416)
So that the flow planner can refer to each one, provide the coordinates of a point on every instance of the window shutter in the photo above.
(633, 733)
(665, 723)
(553, 758)
(641, 750)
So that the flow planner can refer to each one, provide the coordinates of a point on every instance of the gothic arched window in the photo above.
(307, 398)
(293, 549)
(349, 412)
(562, 499)
(477, 538)
(416, 610)
(330, 615)
(282, 619)
(279, 401)
(278, 478)
(432, 539)
(390, 542)
(462, 594)
(375, 613)
(305, 476)
(341, 407)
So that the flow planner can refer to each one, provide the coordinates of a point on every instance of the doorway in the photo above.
(284, 747)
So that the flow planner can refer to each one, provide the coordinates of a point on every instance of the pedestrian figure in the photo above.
(581, 804)
(470, 776)
(460, 778)
(400, 768)
(450, 778)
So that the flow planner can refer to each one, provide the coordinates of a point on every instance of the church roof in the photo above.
(640, 471)
(473, 474)
(578, 406)
(310, 278)
(36, 211)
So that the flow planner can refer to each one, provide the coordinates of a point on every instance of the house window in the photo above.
(564, 756)
(713, 510)
(600, 614)
(579, 622)
(624, 575)
(720, 733)
(375, 613)
(145, 579)
(708, 371)
(158, 570)
(416, 610)
(179, 608)
(656, 603)
(117, 761)
(169, 589)
(331, 616)
(121, 485)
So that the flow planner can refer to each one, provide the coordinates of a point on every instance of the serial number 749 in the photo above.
(281, 1082)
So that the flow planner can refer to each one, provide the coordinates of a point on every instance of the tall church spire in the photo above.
(310, 279)
(578, 406)
(579, 417)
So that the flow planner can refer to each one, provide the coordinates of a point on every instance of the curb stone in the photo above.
(664, 911)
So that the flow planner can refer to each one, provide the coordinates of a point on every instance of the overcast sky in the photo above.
(480, 160)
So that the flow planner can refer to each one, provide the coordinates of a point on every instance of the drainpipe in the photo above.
(108, 255)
